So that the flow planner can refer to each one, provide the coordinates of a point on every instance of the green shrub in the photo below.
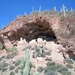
(1, 46)
(50, 68)
(59, 66)
(4, 69)
(48, 59)
(66, 73)
(50, 64)
(68, 61)
(53, 69)
(11, 67)
(17, 63)
(50, 73)
(3, 56)
(3, 66)
(36, 73)
(12, 73)
(40, 54)
(47, 53)
(62, 69)
(13, 49)
(69, 66)
(9, 56)
(16, 70)
(0, 59)
(40, 69)
(34, 55)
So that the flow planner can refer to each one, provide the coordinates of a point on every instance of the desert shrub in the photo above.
(62, 69)
(13, 49)
(66, 73)
(50, 73)
(45, 48)
(34, 55)
(74, 69)
(9, 56)
(3, 56)
(37, 49)
(48, 59)
(40, 69)
(59, 66)
(1, 46)
(11, 67)
(68, 61)
(17, 63)
(40, 54)
(69, 66)
(0, 59)
(36, 73)
(12, 73)
(4, 69)
(16, 70)
(47, 53)
(31, 65)
(50, 64)
(3, 66)
(53, 69)
(50, 68)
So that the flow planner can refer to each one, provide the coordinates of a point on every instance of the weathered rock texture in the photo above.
(30, 27)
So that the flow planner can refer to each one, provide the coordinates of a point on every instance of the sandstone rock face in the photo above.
(34, 25)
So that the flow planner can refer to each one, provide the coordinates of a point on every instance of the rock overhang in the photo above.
(30, 27)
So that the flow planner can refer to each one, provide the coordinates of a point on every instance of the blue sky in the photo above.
(9, 9)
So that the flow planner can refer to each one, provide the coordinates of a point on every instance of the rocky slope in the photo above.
(52, 30)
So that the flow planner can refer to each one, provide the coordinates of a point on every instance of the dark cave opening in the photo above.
(45, 36)
(34, 31)
(40, 31)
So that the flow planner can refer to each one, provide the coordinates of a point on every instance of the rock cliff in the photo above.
(57, 26)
